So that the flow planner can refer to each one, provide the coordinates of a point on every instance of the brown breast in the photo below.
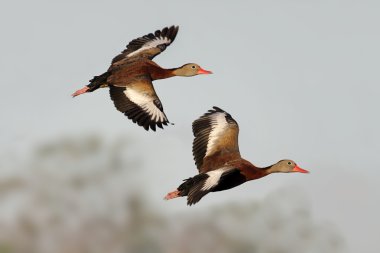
(128, 73)
(250, 171)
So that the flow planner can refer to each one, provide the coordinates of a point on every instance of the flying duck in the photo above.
(217, 157)
(130, 77)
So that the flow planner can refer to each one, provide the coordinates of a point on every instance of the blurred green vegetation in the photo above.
(79, 195)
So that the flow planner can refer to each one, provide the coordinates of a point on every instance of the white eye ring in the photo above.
(193, 67)
(289, 163)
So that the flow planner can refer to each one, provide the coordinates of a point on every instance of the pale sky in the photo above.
(300, 77)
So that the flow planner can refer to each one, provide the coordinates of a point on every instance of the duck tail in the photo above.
(172, 195)
(192, 188)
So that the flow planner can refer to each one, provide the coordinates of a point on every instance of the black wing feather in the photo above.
(134, 111)
(202, 128)
(168, 32)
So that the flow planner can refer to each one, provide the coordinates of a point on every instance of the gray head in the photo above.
(286, 166)
(191, 69)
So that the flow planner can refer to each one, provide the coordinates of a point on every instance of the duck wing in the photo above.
(216, 140)
(147, 46)
(140, 103)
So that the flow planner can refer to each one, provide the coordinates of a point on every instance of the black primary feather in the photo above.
(134, 112)
(167, 32)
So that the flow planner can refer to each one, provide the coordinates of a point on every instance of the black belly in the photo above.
(229, 179)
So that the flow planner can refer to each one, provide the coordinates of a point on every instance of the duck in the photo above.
(130, 75)
(218, 160)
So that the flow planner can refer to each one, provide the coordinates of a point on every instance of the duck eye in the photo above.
(289, 163)
(193, 67)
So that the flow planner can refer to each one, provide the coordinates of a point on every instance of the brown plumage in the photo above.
(217, 157)
(131, 74)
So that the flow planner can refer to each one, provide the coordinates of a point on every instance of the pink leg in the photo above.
(172, 195)
(81, 91)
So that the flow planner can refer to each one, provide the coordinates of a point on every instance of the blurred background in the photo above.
(300, 77)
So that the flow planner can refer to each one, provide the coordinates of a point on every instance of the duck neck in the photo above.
(270, 169)
(179, 71)
(254, 172)
(162, 73)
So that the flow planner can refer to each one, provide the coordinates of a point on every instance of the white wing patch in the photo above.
(146, 102)
(219, 124)
(151, 44)
(213, 178)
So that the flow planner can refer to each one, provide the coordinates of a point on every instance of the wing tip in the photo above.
(143, 120)
(229, 118)
(152, 125)
(159, 124)
(217, 109)
(169, 31)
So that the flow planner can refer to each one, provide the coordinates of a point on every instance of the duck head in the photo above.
(190, 69)
(286, 166)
